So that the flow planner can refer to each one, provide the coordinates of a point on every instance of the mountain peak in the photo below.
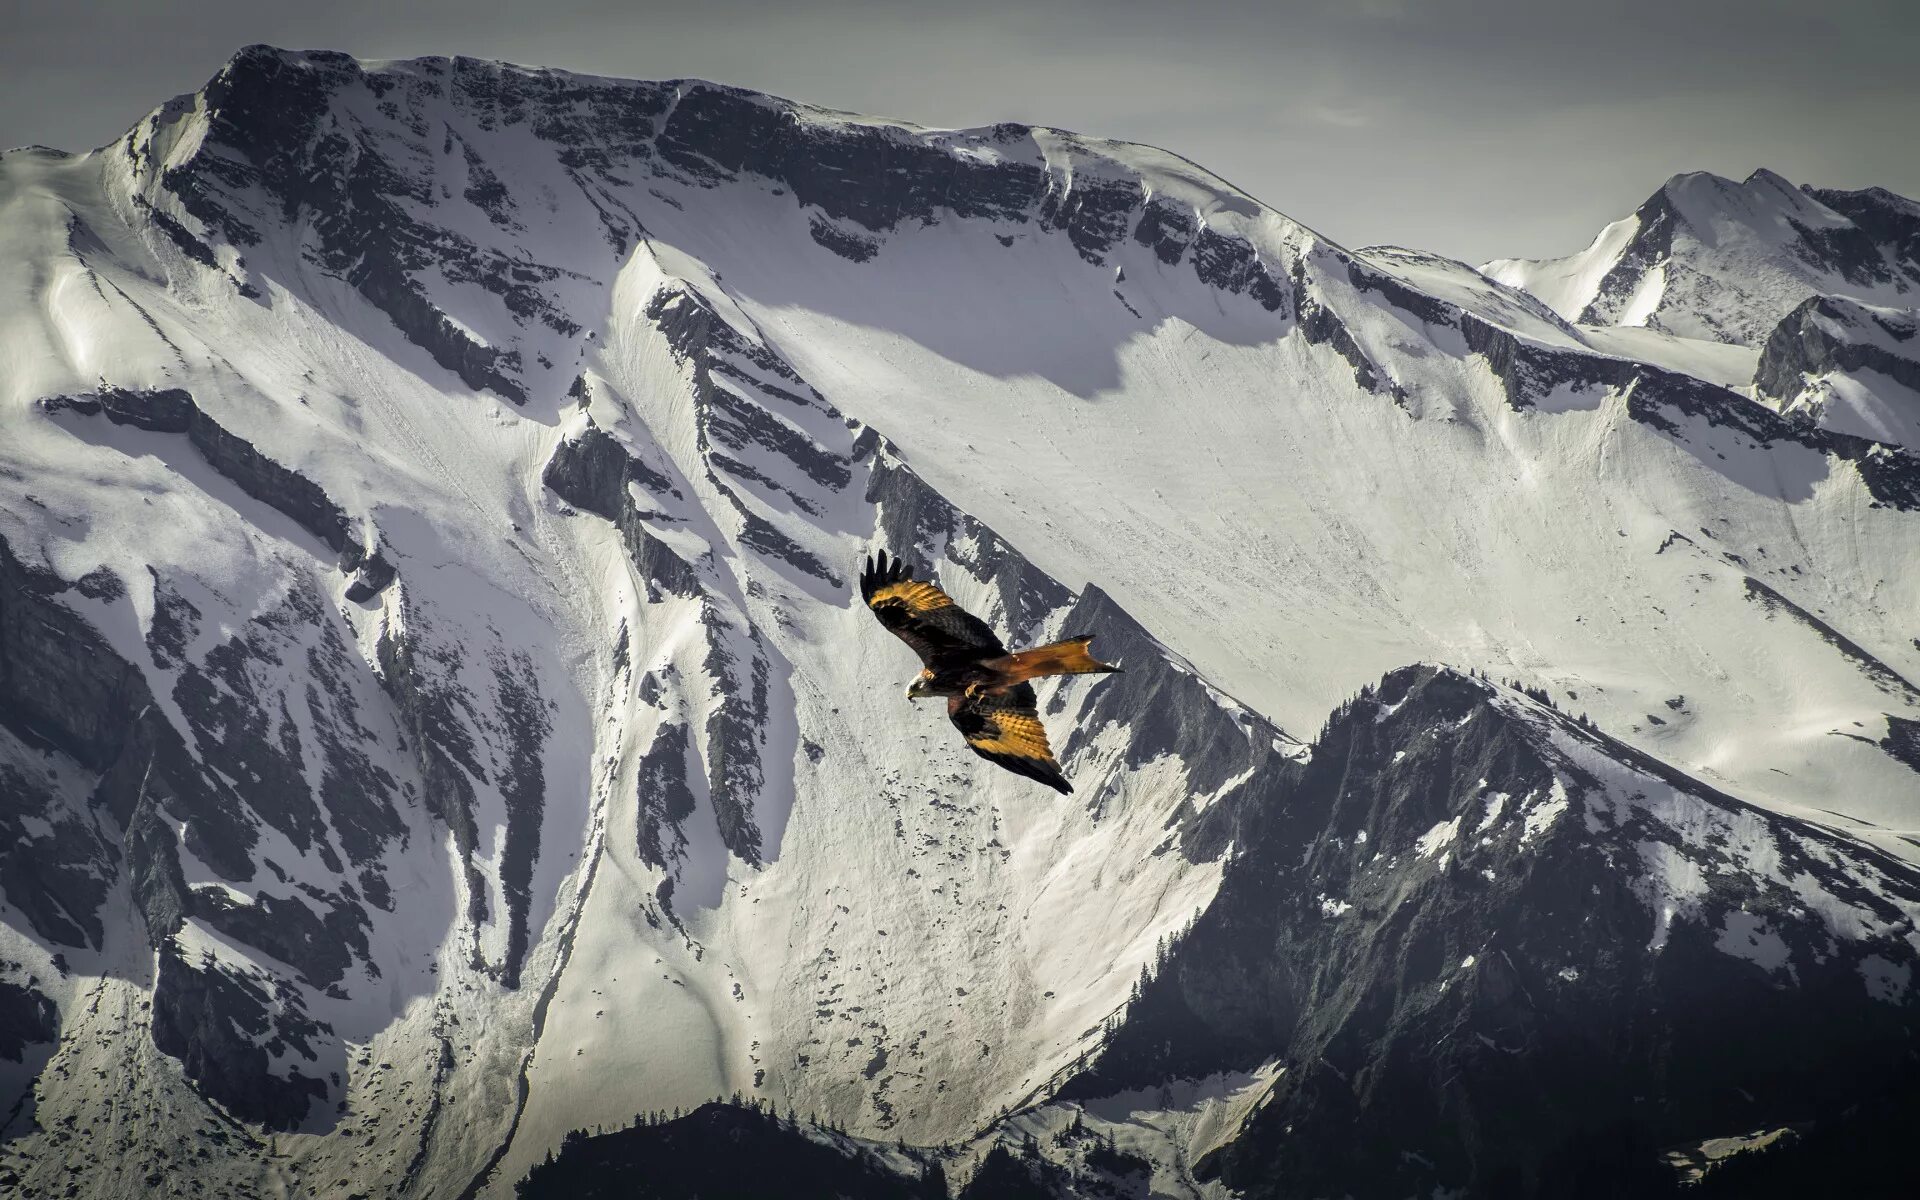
(1709, 258)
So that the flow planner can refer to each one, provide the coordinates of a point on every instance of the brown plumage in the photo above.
(988, 697)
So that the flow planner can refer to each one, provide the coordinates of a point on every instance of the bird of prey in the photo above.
(988, 697)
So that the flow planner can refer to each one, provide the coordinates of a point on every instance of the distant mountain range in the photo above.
(442, 752)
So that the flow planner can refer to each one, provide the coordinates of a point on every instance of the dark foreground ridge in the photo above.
(1497, 951)
(723, 1152)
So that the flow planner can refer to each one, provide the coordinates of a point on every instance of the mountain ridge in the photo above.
(479, 678)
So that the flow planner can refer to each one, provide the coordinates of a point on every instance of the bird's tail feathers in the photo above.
(1069, 657)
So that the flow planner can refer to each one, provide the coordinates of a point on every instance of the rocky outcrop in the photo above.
(1849, 367)
(464, 739)
(27, 1018)
(1891, 221)
(1813, 340)
(759, 427)
(1231, 755)
(664, 799)
(62, 685)
(736, 662)
(54, 867)
(230, 1032)
(916, 521)
(591, 471)
(173, 410)
(1495, 951)
(435, 712)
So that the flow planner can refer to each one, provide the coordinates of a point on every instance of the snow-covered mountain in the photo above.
(1716, 260)
(438, 719)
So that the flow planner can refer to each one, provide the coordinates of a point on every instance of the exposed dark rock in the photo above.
(244, 730)
(321, 948)
(485, 191)
(446, 727)
(1871, 248)
(175, 623)
(665, 800)
(1169, 711)
(524, 724)
(62, 684)
(173, 410)
(153, 870)
(268, 116)
(733, 425)
(358, 794)
(360, 190)
(760, 535)
(1165, 228)
(864, 174)
(740, 424)
(1481, 993)
(26, 1018)
(1652, 244)
(179, 235)
(1233, 265)
(1903, 740)
(227, 1031)
(1094, 213)
(370, 578)
(53, 866)
(736, 730)
(853, 247)
(1320, 325)
(913, 518)
(1663, 400)
(1813, 340)
(434, 711)
(591, 472)
(1889, 220)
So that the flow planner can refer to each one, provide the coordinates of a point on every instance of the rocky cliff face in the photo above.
(1496, 951)
(1850, 367)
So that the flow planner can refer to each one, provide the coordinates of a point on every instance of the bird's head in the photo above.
(920, 688)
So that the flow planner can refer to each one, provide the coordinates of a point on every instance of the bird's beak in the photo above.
(916, 690)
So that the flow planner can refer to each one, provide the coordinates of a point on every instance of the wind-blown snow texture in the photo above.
(437, 717)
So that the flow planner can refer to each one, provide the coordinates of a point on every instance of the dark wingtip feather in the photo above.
(1027, 767)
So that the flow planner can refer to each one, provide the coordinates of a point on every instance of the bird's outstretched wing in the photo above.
(1005, 728)
(923, 616)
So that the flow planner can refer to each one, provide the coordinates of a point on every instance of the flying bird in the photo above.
(988, 697)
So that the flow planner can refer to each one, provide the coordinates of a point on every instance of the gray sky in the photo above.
(1474, 129)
